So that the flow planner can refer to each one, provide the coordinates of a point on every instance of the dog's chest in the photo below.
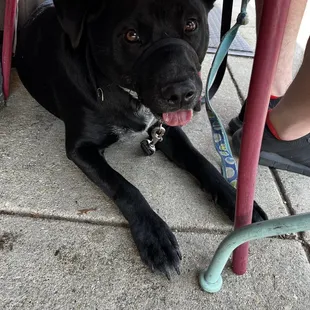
(136, 122)
(146, 116)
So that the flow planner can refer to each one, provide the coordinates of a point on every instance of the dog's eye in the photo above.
(132, 36)
(190, 26)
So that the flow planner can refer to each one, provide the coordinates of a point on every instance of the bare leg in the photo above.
(291, 117)
(284, 71)
(286, 139)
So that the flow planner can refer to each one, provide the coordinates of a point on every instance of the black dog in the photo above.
(82, 59)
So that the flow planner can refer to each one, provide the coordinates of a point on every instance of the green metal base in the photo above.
(211, 280)
(210, 287)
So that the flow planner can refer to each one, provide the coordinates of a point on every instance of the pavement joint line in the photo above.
(200, 230)
(35, 215)
(291, 211)
(177, 229)
(305, 245)
(106, 223)
(235, 82)
(286, 200)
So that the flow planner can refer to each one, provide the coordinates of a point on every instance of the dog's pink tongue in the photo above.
(178, 118)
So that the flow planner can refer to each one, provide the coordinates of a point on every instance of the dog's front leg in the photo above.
(156, 243)
(177, 147)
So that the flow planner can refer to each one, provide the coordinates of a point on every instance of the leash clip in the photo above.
(157, 134)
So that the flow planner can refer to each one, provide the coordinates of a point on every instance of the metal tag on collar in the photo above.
(157, 134)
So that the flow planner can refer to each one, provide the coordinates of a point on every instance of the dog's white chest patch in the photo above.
(147, 116)
(144, 116)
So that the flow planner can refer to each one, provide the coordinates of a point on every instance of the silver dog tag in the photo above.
(148, 146)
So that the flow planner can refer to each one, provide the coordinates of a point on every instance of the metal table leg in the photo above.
(269, 41)
(211, 279)
(7, 46)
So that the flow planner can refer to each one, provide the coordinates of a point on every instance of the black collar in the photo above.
(98, 82)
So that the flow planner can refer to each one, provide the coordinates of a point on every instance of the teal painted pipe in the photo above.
(211, 279)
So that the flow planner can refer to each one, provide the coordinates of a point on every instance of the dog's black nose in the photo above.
(179, 93)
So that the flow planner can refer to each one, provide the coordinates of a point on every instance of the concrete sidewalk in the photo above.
(55, 255)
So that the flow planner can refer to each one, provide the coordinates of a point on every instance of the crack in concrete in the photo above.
(281, 189)
(229, 69)
(176, 229)
(63, 218)
(305, 245)
(290, 210)
(108, 223)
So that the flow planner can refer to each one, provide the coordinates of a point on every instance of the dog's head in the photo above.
(154, 47)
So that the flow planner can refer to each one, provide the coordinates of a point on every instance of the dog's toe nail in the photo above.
(179, 254)
(168, 275)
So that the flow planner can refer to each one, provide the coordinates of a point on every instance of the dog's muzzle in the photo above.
(177, 97)
(161, 44)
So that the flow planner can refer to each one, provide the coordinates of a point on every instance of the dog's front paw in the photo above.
(156, 243)
(258, 213)
(226, 198)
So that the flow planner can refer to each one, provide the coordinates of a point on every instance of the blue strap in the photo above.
(229, 166)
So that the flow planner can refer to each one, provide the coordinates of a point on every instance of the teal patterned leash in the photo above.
(229, 166)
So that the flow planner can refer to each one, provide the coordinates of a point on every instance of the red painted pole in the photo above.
(7, 46)
(269, 41)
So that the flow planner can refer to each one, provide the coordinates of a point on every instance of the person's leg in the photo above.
(284, 72)
(291, 117)
(286, 138)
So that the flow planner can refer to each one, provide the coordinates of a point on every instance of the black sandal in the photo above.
(291, 156)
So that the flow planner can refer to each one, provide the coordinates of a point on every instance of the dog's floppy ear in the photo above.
(73, 14)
